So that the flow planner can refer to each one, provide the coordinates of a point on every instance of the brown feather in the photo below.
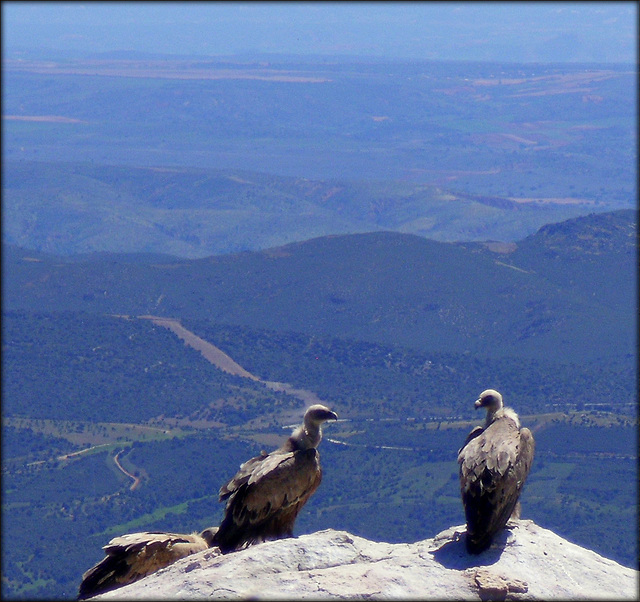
(135, 555)
(267, 493)
(494, 465)
(266, 504)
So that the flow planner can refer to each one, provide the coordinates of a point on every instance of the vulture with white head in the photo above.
(135, 555)
(494, 463)
(266, 495)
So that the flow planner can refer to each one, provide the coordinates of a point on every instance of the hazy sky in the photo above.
(503, 31)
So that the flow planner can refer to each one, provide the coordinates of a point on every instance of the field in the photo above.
(486, 129)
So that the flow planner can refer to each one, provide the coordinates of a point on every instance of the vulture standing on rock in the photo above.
(266, 495)
(494, 463)
(264, 499)
(135, 555)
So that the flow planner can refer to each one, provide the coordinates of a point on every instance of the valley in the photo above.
(196, 250)
(403, 410)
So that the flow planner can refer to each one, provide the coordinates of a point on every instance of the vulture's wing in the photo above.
(282, 480)
(133, 556)
(525, 457)
(475, 432)
(242, 476)
(493, 450)
(490, 480)
(267, 502)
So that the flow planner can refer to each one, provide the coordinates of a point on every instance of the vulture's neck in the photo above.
(501, 412)
(306, 436)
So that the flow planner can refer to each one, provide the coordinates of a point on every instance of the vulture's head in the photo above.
(489, 399)
(317, 414)
(309, 433)
(209, 535)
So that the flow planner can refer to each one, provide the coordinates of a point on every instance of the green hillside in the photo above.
(68, 208)
(380, 287)
(78, 366)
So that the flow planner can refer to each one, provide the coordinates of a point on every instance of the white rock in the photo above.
(526, 562)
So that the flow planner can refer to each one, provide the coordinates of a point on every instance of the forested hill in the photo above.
(566, 293)
(196, 212)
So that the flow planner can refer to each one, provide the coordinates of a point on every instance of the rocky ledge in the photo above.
(526, 562)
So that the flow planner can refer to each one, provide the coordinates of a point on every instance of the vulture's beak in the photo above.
(478, 404)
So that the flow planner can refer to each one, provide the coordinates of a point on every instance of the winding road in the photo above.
(136, 480)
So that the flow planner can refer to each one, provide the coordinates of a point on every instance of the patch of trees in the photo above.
(77, 366)
(365, 379)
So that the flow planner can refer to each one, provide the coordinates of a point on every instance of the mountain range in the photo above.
(448, 150)
(71, 208)
(387, 237)
(532, 299)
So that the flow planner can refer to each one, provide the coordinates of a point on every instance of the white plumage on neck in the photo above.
(307, 437)
(499, 413)
(309, 434)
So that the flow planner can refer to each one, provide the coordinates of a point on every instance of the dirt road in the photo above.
(136, 480)
(222, 361)
(211, 353)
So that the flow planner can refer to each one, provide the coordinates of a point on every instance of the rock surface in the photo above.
(526, 562)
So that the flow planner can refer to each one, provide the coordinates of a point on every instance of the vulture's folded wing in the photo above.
(280, 481)
(135, 555)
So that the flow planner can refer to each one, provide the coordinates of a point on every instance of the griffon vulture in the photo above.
(494, 463)
(266, 495)
(135, 555)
